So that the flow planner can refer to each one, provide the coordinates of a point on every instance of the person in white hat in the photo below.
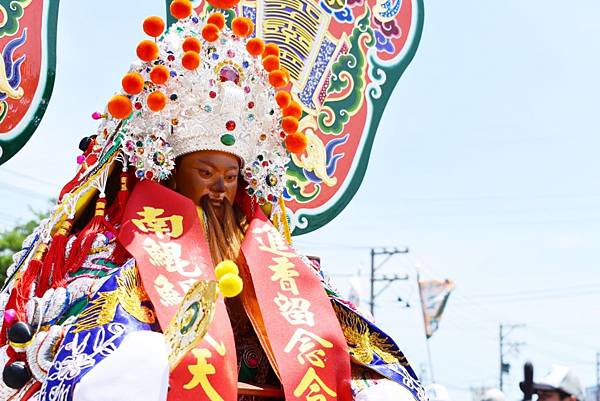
(561, 384)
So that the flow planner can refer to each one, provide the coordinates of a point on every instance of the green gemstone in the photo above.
(227, 139)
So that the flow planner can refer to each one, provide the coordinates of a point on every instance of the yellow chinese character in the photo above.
(161, 226)
(307, 344)
(275, 242)
(200, 372)
(295, 310)
(313, 386)
(283, 271)
(167, 292)
(168, 255)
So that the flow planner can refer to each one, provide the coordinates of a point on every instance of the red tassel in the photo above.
(29, 277)
(54, 262)
(115, 213)
(83, 244)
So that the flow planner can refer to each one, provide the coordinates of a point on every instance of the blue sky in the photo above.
(485, 166)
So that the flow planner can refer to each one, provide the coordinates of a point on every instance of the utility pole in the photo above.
(507, 347)
(385, 278)
(597, 376)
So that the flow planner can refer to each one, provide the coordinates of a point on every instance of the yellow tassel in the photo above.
(284, 221)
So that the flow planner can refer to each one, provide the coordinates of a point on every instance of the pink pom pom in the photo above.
(96, 115)
(9, 316)
(80, 159)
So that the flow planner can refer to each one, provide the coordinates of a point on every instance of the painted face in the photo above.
(208, 173)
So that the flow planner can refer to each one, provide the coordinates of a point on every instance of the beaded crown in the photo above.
(205, 85)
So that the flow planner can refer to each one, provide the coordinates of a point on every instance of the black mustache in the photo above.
(207, 202)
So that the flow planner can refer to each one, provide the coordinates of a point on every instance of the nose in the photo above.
(218, 185)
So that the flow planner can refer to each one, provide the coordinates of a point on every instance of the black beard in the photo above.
(211, 213)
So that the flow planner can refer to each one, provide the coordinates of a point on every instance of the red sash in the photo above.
(162, 231)
(302, 328)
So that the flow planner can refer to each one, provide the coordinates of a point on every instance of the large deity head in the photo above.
(208, 104)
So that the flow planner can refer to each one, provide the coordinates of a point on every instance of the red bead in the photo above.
(230, 125)
(212, 94)
(250, 105)
(138, 105)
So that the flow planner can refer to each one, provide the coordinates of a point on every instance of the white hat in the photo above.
(560, 378)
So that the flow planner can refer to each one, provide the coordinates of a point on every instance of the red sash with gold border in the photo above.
(303, 331)
(162, 231)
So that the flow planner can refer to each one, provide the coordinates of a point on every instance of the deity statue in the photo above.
(166, 270)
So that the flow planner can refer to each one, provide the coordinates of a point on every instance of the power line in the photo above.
(23, 191)
(550, 337)
(563, 355)
(29, 177)
(534, 291)
(541, 297)
(498, 197)
(403, 223)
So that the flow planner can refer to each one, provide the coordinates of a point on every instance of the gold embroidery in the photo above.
(384, 349)
(99, 312)
(129, 293)
(363, 343)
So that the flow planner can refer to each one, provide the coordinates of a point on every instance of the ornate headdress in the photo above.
(203, 85)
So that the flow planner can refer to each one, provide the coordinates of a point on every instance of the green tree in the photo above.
(11, 241)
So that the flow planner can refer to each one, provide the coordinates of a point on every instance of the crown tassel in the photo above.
(53, 269)
(116, 210)
(115, 214)
(83, 244)
(29, 277)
